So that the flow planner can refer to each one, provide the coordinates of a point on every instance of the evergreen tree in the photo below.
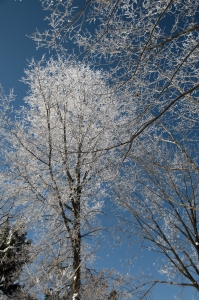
(14, 250)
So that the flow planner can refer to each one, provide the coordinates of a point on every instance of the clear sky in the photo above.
(17, 20)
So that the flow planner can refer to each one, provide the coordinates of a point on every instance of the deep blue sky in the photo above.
(17, 20)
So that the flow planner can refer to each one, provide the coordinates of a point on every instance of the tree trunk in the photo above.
(76, 245)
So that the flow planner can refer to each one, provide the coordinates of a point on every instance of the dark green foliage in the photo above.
(14, 253)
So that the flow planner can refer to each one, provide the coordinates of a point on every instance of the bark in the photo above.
(76, 245)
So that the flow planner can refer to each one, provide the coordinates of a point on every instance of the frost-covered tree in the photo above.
(159, 189)
(150, 48)
(58, 168)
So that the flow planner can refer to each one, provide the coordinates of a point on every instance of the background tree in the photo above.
(6, 204)
(14, 254)
(159, 187)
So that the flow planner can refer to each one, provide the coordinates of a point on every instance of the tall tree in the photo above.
(151, 49)
(57, 171)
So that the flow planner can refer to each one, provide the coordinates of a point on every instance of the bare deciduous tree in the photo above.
(159, 187)
(150, 48)
(56, 170)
